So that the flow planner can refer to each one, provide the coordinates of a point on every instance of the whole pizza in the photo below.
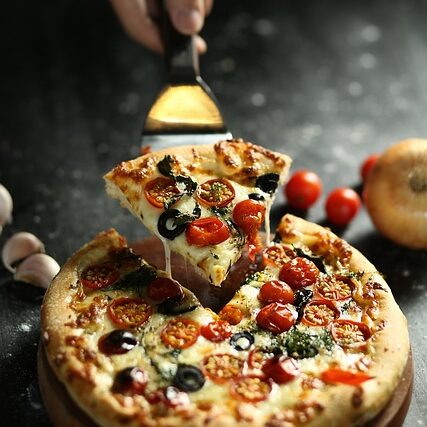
(312, 337)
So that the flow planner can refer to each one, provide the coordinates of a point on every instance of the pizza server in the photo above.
(185, 111)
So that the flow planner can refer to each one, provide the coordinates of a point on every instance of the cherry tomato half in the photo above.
(258, 357)
(163, 288)
(319, 313)
(303, 189)
(231, 314)
(342, 205)
(158, 191)
(221, 368)
(334, 287)
(367, 166)
(338, 376)
(249, 215)
(171, 396)
(281, 369)
(216, 192)
(350, 334)
(129, 312)
(276, 255)
(275, 318)
(207, 231)
(276, 291)
(250, 388)
(299, 272)
(99, 276)
(180, 333)
(216, 331)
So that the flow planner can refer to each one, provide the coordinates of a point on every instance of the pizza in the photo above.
(309, 338)
(204, 202)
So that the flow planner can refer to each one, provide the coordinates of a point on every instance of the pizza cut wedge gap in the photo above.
(206, 203)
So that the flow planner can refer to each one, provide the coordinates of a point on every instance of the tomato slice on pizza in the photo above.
(205, 202)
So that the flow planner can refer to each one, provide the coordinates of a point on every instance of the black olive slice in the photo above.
(242, 340)
(301, 297)
(130, 380)
(268, 182)
(167, 224)
(119, 341)
(256, 196)
(188, 378)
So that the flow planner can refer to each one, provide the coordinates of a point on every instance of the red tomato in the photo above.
(334, 287)
(132, 380)
(216, 331)
(319, 313)
(158, 191)
(258, 357)
(221, 368)
(276, 255)
(350, 334)
(282, 369)
(299, 272)
(170, 396)
(129, 312)
(250, 388)
(163, 288)
(231, 314)
(180, 333)
(338, 376)
(216, 192)
(249, 215)
(342, 205)
(275, 318)
(367, 166)
(276, 291)
(99, 276)
(303, 189)
(207, 231)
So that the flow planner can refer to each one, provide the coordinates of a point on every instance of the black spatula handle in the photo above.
(182, 60)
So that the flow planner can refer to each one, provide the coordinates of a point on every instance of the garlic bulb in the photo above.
(6, 206)
(38, 269)
(18, 247)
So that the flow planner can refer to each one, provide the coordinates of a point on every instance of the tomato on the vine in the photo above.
(207, 231)
(303, 189)
(342, 205)
(367, 166)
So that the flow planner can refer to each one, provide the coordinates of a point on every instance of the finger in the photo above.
(187, 16)
(208, 6)
(201, 45)
(137, 23)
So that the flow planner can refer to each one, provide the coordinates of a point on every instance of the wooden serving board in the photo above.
(65, 413)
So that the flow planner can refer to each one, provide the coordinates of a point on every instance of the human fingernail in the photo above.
(188, 21)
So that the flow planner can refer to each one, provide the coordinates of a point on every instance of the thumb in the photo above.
(187, 16)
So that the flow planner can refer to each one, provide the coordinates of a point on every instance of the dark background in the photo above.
(328, 82)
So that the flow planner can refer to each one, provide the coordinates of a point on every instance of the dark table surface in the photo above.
(327, 82)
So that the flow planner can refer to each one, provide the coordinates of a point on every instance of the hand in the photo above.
(138, 19)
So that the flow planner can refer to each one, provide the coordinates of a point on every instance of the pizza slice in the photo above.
(204, 202)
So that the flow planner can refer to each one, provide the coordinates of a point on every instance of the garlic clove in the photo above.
(38, 269)
(6, 206)
(18, 247)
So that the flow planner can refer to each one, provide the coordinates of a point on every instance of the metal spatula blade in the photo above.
(185, 112)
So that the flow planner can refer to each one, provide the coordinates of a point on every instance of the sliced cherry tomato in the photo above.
(258, 357)
(249, 215)
(334, 287)
(216, 192)
(299, 272)
(281, 369)
(338, 376)
(223, 367)
(170, 396)
(231, 314)
(276, 291)
(216, 331)
(350, 334)
(319, 313)
(275, 318)
(129, 312)
(303, 189)
(276, 255)
(163, 288)
(250, 388)
(207, 231)
(159, 191)
(99, 276)
(342, 205)
(180, 333)
(367, 166)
